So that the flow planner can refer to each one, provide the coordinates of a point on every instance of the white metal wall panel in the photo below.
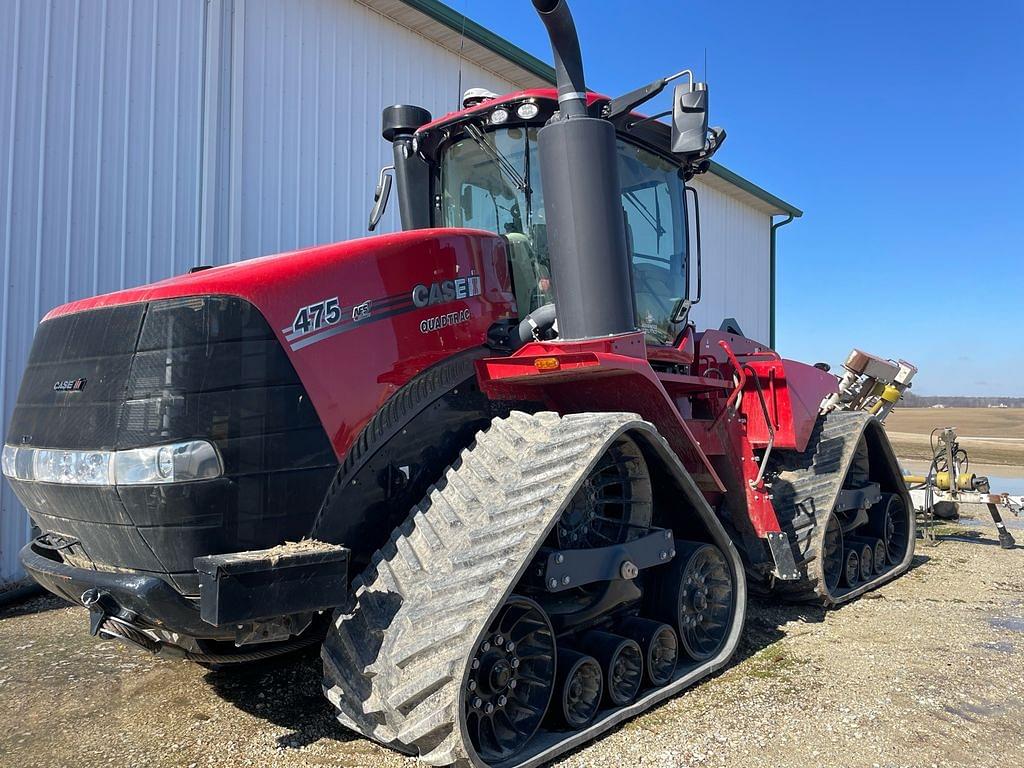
(736, 243)
(100, 128)
(309, 81)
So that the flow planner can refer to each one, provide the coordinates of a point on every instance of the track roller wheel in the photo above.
(696, 595)
(888, 521)
(866, 553)
(660, 646)
(511, 680)
(851, 568)
(622, 662)
(578, 690)
(877, 555)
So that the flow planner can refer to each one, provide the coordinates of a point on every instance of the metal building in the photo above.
(141, 137)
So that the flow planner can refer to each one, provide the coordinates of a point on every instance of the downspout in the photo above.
(775, 226)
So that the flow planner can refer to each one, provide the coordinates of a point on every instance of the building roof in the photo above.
(452, 30)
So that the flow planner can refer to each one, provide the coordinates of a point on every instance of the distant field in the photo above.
(990, 435)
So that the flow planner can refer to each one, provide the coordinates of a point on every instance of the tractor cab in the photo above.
(480, 169)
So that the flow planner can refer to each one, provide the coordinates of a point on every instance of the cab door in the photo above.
(654, 209)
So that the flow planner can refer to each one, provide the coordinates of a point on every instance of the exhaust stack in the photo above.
(585, 220)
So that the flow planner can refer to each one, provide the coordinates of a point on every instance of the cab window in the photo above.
(492, 182)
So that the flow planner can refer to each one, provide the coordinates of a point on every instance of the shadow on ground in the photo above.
(284, 691)
(38, 604)
(287, 691)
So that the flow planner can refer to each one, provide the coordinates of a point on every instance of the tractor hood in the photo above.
(358, 319)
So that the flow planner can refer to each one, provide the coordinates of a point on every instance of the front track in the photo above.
(399, 657)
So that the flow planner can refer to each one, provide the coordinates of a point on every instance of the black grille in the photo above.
(168, 371)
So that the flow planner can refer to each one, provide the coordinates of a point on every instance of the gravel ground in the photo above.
(927, 671)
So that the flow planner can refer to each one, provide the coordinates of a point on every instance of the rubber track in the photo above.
(395, 656)
(804, 495)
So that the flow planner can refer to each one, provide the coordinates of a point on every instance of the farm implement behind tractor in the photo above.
(489, 461)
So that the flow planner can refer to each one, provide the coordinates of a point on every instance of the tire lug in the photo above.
(477, 703)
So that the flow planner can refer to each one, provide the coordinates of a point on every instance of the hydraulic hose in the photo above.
(565, 45)
(540, 319)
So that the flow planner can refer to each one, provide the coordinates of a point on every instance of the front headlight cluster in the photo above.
(156, 465)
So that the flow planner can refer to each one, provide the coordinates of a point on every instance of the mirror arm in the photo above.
(624, 105)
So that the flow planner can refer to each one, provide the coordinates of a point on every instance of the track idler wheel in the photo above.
(888, 521)
(622, 662)
(511, 679)
(578, 690)
(851, 568)
(660, 646)
(696, 595)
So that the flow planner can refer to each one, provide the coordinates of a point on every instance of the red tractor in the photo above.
(489, 459)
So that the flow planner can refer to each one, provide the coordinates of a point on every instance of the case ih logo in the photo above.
(69, 385)
(445, 291)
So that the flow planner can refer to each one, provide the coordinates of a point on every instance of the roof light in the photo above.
(528, 111)
(499, 116)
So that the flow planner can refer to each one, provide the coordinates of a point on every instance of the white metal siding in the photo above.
(736, 249)
(141, 137)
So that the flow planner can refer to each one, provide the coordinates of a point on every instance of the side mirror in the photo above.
(466, 202)
(689, 118)
(380, 197)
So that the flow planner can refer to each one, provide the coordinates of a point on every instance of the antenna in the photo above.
(462, 45)
(706, 65)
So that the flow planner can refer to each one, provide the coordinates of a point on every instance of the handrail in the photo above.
(741, 381)
(756, 482)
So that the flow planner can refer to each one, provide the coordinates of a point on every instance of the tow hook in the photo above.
(102, 606)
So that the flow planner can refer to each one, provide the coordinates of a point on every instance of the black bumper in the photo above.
(153, 600)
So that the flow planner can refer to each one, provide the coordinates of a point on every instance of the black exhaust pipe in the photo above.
(565, 44)
(585, 219)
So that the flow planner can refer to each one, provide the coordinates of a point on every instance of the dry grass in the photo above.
(974, 422)
(909, 430)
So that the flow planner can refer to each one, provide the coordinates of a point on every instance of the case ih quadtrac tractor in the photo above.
(487, 461)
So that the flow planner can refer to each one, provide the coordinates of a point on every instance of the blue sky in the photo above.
(898, 127)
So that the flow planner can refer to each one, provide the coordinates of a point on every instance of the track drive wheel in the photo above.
(511, 680)
(833, 562)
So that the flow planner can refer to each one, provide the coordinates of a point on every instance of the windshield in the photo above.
(491, 181)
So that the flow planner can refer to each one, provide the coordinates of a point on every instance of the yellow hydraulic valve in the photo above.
(887, 394)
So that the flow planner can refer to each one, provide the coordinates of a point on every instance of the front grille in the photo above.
(169, 371)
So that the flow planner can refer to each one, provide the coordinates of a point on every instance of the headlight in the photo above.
(176, 463)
